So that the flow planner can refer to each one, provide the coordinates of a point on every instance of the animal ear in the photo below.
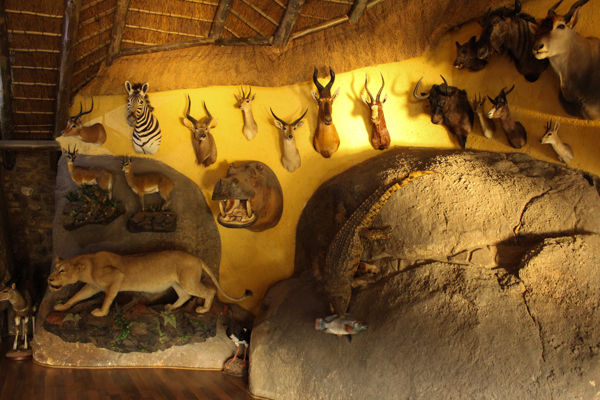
(473, 39)
(314, 95)
(533, 27)
(252, 99)
(362, 96)
(278, 124)
(556, 126)
(13, 286)
(214, 122)
(457, 45)
(145, 88)
(335, 94)
(188, 123)
(384, 98)
(571, 24)
(299, 124)
(128, 87)
(237, 97)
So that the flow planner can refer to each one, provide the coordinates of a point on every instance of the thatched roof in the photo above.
(255, 42)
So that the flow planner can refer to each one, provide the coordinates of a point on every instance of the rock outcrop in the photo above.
(487, 289)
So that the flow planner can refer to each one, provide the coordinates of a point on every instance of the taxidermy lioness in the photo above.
(151, 272)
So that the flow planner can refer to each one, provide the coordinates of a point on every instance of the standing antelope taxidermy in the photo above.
(575, 58)
(515, 132)
(202, 141)
(23, 309)
(506, 31)
(380, 138)
(88, 175)
(142, 184)
(326, 139)
(291, 157)
(449, 105)
(90, 134)
(488, 127)
(146, 132)
(563, 150)
(250, 128)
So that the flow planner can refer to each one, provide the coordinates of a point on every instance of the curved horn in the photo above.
(87, 112)
(487, 14)
(367, 89)
(574, 7)
(187, 114)
(316, 81)
(549, 126)
(382, 85)
(250, 92)
(447, 87)
(298, 120)
(279, 119)
(210, 117)
(416, 93)
(244, 94)
(80, 112)
(331, 80)
(517, 7)
(552, 10)
(511, 89)
(491, 100)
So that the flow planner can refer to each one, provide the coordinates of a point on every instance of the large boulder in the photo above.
(519, 322)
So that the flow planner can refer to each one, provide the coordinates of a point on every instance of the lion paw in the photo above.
(61, 307)
(98, 313)
(169, 307)
(201, 310)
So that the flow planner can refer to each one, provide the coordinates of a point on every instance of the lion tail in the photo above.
(247, 293)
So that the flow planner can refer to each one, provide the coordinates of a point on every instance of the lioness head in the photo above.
(65, 273)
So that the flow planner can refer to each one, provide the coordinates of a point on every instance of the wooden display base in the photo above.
(19, 355)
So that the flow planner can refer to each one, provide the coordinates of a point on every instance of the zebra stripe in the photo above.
(146, 133)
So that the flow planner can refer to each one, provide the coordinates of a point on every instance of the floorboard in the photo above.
(26, 380)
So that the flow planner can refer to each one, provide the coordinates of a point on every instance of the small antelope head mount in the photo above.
(375, 105)
(324, 99)
(71, 154)
(551, 134)
(478, 103)
(245, 101)
(203, 142)
(555, 33)
(500, 105)
(288, 130)
(74, 123)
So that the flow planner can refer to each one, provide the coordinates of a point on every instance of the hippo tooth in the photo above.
(248, 208)
(222, 208)
(236, 204)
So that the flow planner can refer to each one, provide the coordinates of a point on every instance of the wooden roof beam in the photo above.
(6, 119)
(216, 30)
(67, 59)
(117, 31)
(358, 9)
(286, 27)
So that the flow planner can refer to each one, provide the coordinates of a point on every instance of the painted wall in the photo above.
(257, 260)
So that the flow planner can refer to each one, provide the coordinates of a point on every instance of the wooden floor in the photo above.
(27, 380)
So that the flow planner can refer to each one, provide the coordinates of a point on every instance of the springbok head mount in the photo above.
(374, 104)
(288, 130)
(554, 33)
(136, 101)
(245, 101)
(324, 99)
(200, 129)
(499, 102)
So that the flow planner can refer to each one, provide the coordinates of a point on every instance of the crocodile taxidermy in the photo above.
(346, 249)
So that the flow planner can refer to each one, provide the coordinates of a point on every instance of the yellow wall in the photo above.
(257, 260)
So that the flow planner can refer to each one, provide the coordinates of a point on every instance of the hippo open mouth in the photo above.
(236, 213)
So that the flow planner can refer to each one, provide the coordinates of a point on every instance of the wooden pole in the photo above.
(6, 113)
(67, 57)
(286, 27)
(117, 31)
(130, 51)
(357, 10)
(216, 30)
(29, 145)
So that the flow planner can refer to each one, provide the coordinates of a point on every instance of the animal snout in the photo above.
(290, 137)
(538, 46)
(328, 121)
(482, 52)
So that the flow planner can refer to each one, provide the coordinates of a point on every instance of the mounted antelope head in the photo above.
(563, 150)
(88, 175)
(250, 129)
(380, 138)
(515, 131)
(326, 140)
(488, 127)
(143, 184)
(89, 134)
(573, 57)
(291, 156)
(202, 140)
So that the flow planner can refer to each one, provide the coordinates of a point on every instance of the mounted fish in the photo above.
(146, 131)
(340, 326)
(575, 58)
(466, 56)
(380, 137)
(291, 156)
(250, 197)
(326, 140)
(449, 105)
(90, 134)
(506, 31)
(515, 131)
(250, 129)
(203, 141)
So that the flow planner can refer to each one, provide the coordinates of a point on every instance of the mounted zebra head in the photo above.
(137, 101)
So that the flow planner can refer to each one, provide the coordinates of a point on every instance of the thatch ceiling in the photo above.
(256, 42)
